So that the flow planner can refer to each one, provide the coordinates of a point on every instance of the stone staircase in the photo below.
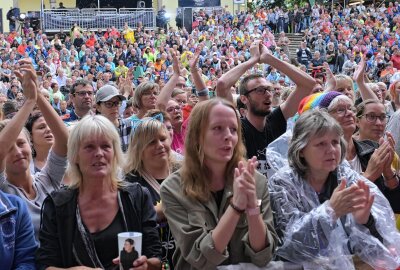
(295, 40)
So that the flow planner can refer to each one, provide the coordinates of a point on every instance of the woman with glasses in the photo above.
(327, 215)
(394, 124)
(108, 101)
(366, 157)
(172, 107)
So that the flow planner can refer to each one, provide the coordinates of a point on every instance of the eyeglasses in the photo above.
(372, 117)
(175, 108)
(342, 111)
(111, 104)
(84, 93)
(261, 90)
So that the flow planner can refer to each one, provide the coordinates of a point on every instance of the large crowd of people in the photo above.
(220, 145)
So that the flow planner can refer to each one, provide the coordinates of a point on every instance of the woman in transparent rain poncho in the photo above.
(325, 212)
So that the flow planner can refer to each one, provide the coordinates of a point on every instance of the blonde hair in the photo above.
(147, 130)
(195, 176)
(341, 77)
(92, 126)
(392, 89)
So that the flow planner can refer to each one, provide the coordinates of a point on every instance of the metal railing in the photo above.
(95, 18)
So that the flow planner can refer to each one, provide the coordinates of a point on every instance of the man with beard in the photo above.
(81, 95)
(262, 125)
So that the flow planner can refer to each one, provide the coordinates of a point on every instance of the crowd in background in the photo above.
(174, 113)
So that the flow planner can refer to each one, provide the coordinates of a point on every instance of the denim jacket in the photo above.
(17, 239)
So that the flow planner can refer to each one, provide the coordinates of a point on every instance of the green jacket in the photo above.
(192, 223)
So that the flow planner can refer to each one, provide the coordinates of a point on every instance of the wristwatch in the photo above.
(254, 211)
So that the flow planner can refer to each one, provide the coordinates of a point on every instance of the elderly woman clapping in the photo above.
(324, 211)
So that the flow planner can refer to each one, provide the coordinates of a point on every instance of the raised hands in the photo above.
(27, 75)
(359, 74)
(265, 54)
(330, 78)
(195, 59)
(381, 159)
(255, 50)
(244, 185)
(175, 62)
(126, 86)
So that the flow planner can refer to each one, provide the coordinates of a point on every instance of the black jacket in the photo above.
(58, 225)
(364, 150)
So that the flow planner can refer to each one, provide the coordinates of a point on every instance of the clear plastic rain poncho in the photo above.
(310, 235)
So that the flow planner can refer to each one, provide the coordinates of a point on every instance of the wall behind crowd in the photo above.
(5, 6)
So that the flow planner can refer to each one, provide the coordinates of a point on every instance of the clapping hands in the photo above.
(355, 199)
(244, 185)
(27, 75)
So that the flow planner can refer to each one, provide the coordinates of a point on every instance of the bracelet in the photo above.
(253, 211)
(237, 209)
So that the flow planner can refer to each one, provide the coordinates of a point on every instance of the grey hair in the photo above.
(312, 123)
(337, 100)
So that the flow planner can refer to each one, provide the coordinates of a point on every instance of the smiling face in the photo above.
(19, 157)
(95, 156)
(220, 136)
(372, 130)
(344, 114)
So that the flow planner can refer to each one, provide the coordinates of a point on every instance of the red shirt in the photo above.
(396, 61)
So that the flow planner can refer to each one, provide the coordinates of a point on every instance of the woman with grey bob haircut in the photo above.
(325, 213)
(317, 124)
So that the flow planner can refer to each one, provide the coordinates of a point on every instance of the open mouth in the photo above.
(98, 164)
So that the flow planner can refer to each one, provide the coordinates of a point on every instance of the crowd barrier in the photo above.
(93, 19)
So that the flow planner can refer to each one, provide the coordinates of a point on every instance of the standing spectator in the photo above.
(304, 55)
(396, 58)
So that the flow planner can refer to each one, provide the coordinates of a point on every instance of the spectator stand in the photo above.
(188, 15)
(95, 18)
